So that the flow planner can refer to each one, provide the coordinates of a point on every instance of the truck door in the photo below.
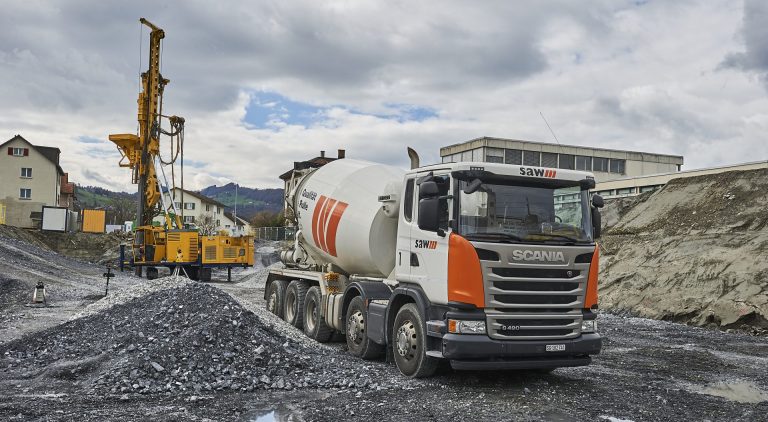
(429, 250)
(403, 257)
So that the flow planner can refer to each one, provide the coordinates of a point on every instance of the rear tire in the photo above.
(293, 308)
(276, 297)
(314, 323)
(356, 332)
(409, 342)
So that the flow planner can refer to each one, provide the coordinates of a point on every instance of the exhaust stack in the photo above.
(414, 156)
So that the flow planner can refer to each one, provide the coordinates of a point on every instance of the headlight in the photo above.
(589, 326)
(456, 326)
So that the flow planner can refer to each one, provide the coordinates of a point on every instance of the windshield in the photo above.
(525, 214)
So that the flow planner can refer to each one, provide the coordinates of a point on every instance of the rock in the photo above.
(157, 366)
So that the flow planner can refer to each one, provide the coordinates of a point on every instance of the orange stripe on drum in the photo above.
(333, 227)
(316, 217)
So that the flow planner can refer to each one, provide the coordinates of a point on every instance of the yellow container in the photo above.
(94, 221)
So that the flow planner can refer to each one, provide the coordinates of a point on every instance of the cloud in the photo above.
(264, 84)
(755, 33)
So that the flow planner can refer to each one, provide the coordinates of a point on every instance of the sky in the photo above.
(262, 84)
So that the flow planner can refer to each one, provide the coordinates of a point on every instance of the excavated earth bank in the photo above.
(695, 251)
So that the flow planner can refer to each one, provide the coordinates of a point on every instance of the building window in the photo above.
(477, 155)
(625, 191)
(566, 161)
(583, 163)
(600, 164)
(531, 158)
(207, 207)
(218, 223)
(218, 210)
(25, 193)
(494, 155)
(189, 218)
(26, 172)
(549, 159)
(177, 205)
(18, 152)
(189, 205)
(466, 156)
(513, 156)
(617, 166)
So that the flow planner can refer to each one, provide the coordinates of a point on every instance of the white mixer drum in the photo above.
(341, 219)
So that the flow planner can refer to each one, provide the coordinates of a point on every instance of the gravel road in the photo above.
(648, 371)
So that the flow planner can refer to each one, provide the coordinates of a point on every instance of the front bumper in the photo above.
(482, 352)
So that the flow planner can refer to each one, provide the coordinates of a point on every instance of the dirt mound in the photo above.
(694, 251)
(193, 339)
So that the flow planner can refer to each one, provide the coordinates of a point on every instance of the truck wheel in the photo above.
(314, 323)
(358, 342)
(293, 310)
(409, 344)
(276, 296)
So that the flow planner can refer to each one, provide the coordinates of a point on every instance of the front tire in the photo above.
(314, 323)
(356, 332)
(409, 343)
(293, 309)
(276, 297)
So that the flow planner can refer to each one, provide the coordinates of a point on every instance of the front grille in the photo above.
(536, 286)
(547, 299)
(536, 272)
(533, 326)
(534, 300)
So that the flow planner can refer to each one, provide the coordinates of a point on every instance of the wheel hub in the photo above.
(406, 336)
(311, 315)
(355, 327)
(290, 311)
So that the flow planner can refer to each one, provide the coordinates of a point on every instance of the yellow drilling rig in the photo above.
(170, 245)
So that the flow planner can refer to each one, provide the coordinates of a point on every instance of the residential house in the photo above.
(198, 210)
(242, 228)
(290, 178)
(30, 178)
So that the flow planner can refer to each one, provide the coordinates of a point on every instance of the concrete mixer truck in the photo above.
(484, 265)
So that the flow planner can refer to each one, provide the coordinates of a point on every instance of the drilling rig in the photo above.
(170, 245)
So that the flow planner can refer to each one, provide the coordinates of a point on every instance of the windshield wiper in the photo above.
(558, 236)
(497, 236)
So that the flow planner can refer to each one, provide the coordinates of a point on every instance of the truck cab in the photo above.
(506, 258)
(485, 265)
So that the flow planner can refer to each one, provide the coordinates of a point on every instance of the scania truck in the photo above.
(485, 265)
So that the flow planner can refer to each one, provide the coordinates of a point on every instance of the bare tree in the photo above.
(206, 224)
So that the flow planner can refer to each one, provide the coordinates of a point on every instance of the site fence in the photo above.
(275, 233)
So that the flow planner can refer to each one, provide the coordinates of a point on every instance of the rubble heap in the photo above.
(193, 338)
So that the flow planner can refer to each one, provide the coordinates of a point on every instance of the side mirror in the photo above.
(597, 201)
(596, 223)
(429, 214)
(473, 186)
(428, 189)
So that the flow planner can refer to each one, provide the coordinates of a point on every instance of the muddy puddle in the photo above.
(738, 391)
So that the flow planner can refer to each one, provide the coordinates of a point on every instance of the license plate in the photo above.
(555, 347)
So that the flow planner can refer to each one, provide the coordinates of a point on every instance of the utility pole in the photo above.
(235, 214)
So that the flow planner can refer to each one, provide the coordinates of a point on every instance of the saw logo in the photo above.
(550, 256)
(527, 171)
(325, 223)
(426, 244)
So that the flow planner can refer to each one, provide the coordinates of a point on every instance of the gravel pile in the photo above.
(142, 287)
(191, 339)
